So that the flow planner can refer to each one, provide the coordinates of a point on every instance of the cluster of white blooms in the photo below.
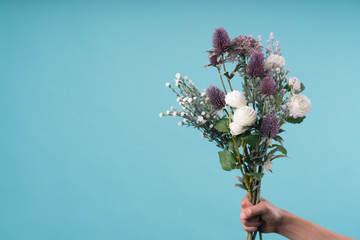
(294, 84)
(274, 61)
(244, 116)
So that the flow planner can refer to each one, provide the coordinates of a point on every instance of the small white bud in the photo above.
(180, 124)
(167, 84)
(174, 113)
(167, 112)
(161, 115)
(182, 114)
(178, 76)
(203, 113)
(211, 126)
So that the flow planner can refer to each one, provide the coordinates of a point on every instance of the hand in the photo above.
(263, 214)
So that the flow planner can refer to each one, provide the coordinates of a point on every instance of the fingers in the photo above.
(245, 202)
(255, 210)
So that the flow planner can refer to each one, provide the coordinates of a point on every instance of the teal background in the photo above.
(84, 154)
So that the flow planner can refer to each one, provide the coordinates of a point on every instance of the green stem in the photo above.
(222, 82)
(223, 63)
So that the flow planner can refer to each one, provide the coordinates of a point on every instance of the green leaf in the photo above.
(279, 139)
(232, 146)
(222, 125)
(278, 148)
(251, 140)
(257, 176)
(278, 156)
(227, 160)
(295, 120)
(287, 87)
(302, 87)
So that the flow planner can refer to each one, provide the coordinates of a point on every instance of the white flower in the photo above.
(299, 105)
(237, 128)
(174, 113)
(178, 76)
(203, 113)
(203, 94)
(176, 83)
(211, 126)
(182, 114)
(274, 61)
(267, 165)
(202, 103)
(185, 120)
(171, 108)
(167, 84)
(245, 116)
(235, 99)
(180, 124)
(167, 112)
(161, 115)
(294, 83)
(189, 100)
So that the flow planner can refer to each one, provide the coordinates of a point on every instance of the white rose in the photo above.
(299, 105)
(236, 128)
(235, 99)
(245, 116)
(274, 61)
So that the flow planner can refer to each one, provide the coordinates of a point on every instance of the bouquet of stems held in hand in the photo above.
(245, 124)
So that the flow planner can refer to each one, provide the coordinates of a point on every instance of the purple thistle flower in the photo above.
(221, 40)
(216, 97)
(267, 86)
(256, 64)
(270, 126)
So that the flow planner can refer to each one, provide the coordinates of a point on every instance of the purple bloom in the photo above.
(216, 97)
(221, 40)
(243, 46)
(256, 64)
(267, 86)
(270, 126)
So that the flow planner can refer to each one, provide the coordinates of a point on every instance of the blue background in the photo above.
(84, 154)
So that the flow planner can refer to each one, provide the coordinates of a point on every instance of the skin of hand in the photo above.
(270, 219)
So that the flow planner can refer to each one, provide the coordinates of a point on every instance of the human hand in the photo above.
(263, 214)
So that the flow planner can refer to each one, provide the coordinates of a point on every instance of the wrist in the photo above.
(285, 218)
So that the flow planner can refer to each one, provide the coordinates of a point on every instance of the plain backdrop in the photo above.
(84, 154)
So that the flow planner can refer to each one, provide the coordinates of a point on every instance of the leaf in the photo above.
(295, 120)
(222, 125)
(278, 156)
(257, 176)
(302, 87)
(240, 186)
(232, 146)
(227, 160)
(279, 139)
(278, 148)
(251, 140)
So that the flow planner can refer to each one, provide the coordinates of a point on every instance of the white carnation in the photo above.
(274, 61)
(235, 99)
(245, 115)
(299, 105)
(237, 128)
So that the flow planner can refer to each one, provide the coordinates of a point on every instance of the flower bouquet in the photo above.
(245, 124)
